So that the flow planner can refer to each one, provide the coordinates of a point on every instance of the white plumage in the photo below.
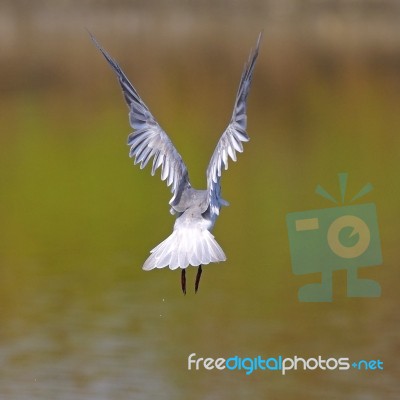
(191, 242)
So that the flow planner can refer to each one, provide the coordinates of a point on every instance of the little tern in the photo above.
(191, 242)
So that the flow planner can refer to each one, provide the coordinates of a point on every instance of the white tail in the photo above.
(185, 246)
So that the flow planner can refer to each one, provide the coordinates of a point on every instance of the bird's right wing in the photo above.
(231, 140)
(148, 139)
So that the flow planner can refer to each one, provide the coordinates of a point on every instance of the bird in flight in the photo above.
(191, 242)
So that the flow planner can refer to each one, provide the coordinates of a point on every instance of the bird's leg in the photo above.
(198, 276)
(183, 281)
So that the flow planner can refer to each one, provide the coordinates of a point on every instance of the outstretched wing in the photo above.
(149, 141)
(231, 140)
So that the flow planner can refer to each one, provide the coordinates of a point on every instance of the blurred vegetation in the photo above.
(78, 220)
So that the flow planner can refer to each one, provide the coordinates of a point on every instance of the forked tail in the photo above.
(185, 246)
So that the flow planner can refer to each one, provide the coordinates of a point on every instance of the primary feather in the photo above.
(148, 139)
(231, 140)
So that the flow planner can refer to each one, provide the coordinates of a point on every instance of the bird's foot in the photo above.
(198, 276)
(183, 280)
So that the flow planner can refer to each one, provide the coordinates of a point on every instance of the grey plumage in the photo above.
(191, 242)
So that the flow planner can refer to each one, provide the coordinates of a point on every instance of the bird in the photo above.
(191, 242)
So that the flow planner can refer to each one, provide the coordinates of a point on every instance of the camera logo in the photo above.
(337, 238)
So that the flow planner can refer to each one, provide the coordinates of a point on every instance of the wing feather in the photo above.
(231, 140)
(148, 139)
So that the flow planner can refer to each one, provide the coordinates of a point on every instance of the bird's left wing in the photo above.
(148, 139)
(231, 140)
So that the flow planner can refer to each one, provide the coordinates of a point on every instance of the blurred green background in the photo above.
(79, 319)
